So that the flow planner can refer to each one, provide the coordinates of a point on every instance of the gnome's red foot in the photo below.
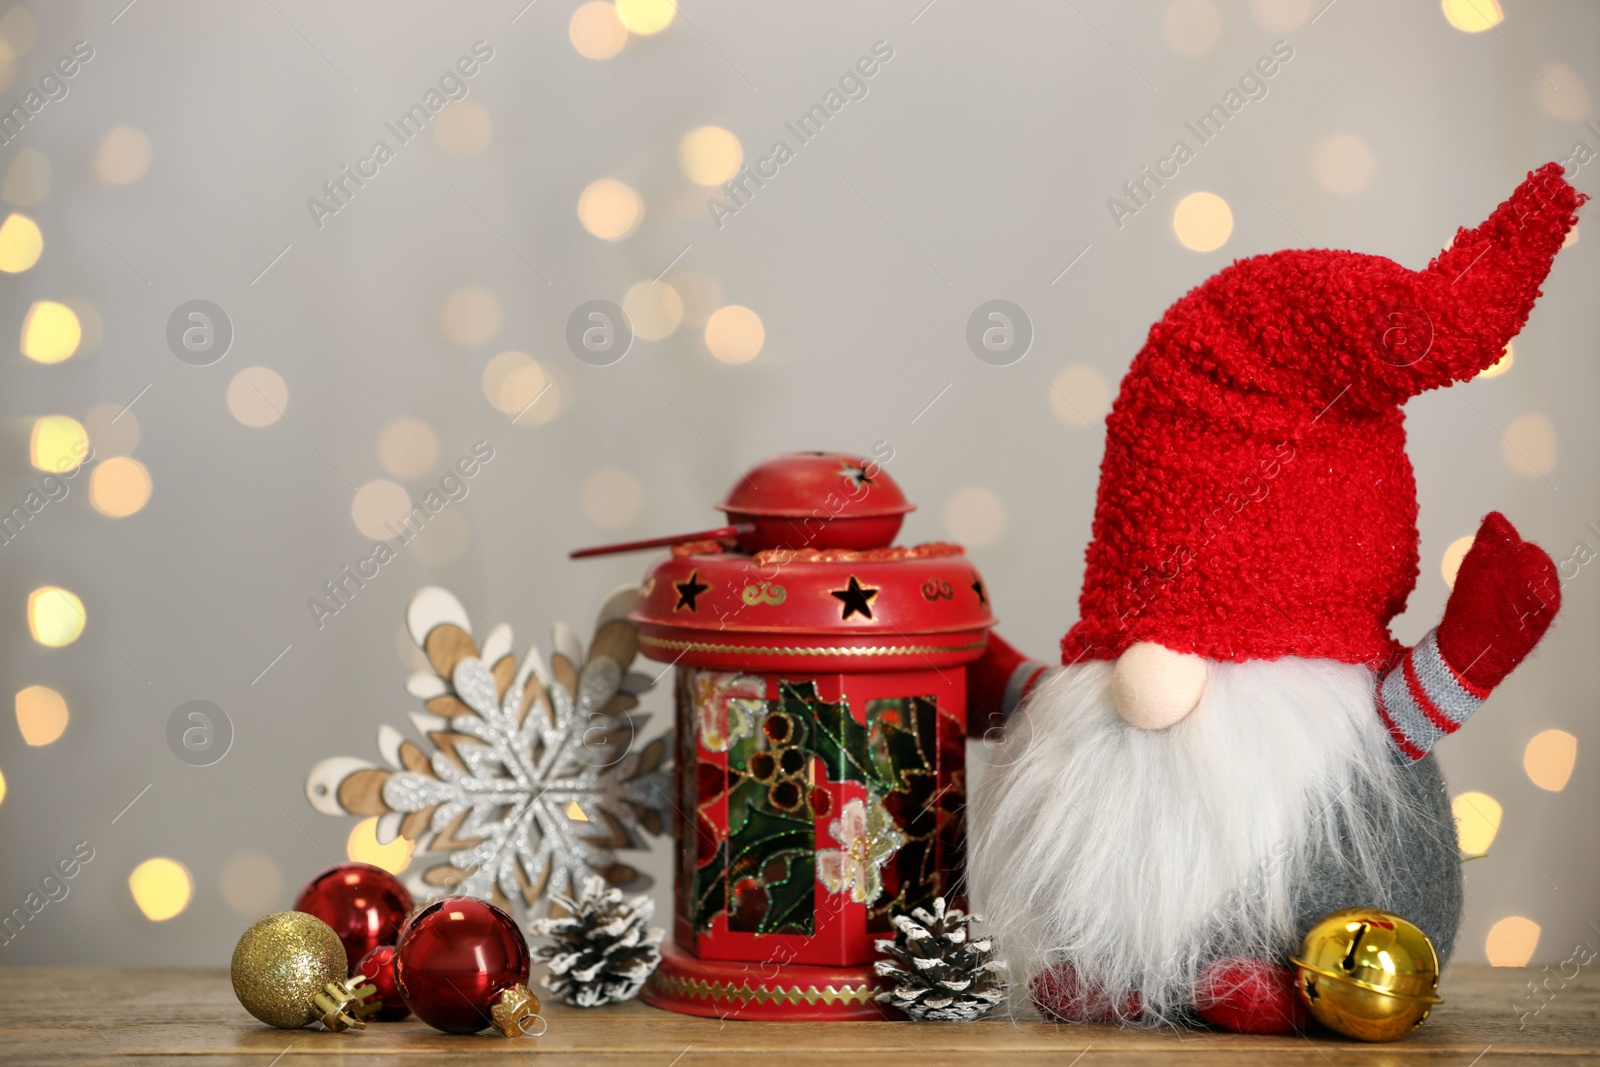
(1506, 593)
(1061, 997)
(1250, 997)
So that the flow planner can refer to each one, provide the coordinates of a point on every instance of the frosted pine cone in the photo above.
(601, 952)
(939, 973)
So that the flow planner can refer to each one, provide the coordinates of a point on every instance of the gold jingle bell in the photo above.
(1368, 974)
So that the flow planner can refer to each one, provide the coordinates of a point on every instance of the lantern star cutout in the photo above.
(855, 474)
(689, 591)
(977, 587)
(857, 600)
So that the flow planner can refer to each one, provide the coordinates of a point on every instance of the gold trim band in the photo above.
(795, 650)
(708, 990)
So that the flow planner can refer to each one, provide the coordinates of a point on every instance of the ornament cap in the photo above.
(347, 1005)
(516, 1013)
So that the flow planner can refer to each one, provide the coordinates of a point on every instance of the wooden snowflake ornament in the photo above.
(531, 776)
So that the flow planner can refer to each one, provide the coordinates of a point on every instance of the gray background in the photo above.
(977, 168)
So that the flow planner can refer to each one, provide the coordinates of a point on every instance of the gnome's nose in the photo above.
(1155, 687)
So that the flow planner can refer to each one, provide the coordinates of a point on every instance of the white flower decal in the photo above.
(870, 838)
(729, 704)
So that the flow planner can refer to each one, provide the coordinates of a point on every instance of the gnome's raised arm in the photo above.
(1507, 593)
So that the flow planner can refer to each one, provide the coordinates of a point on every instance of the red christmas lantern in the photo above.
(821, 737)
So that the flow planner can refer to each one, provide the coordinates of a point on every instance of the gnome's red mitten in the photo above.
(1506, 594)
(997, 683)
(1250, 997)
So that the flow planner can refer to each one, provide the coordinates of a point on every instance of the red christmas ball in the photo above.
(378, 967)
(463, 965)
(364, 904)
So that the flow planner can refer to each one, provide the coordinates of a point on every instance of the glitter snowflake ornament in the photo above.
(537, 774)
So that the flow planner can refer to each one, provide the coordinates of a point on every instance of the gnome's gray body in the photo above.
(1424, 882)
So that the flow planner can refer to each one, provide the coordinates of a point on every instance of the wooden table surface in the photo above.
(141, 1018)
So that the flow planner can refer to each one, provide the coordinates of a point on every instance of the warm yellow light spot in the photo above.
(408, 448)
(50, 332)
(575, 813)
(1549, 759)
(380, 509)
(41, 714)
(610, 209)
(251, 883)
(1477, 818)
(1511, 942)
(1191, 27)
(709, 155)
(1501, 365)
(59, 444)
(1343, 164)
(363, 847)
(596, 31)
(123, 157)
(1202, 221)
(512, 381)
(471, 316)
(645, 17)
(1280, 16)
(55, 616)
(113, 428)
(1529, 446)
(17, 31)
(21, 243)
(1472, 16)
(1079, 396)
(119, 486)
(1453, 555)
(257, 396)
(612, 497)
(2, 788)
(1563, 94)
(27, 180)
(463, 129)
(654, 309)
(735, 334)
(974, 516)
(161, 887)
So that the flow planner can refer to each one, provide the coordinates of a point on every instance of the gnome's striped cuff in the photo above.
(1423, 698)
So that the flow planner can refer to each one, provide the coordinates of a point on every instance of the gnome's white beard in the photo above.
(1136, 856)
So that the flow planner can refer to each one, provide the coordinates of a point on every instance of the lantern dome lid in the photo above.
(797, 484)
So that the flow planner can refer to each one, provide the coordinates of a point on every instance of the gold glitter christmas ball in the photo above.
(283, 963)
(1368, 974)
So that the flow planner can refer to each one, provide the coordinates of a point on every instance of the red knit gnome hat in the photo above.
(1255, 496)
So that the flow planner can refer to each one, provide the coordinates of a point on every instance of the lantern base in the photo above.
(728, 989)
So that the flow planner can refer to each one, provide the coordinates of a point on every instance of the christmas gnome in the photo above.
(1236, 745)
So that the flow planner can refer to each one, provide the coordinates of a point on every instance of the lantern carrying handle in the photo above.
(736, 530)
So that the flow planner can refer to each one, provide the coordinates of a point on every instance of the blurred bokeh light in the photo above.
(161, 887)
(50, 332)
